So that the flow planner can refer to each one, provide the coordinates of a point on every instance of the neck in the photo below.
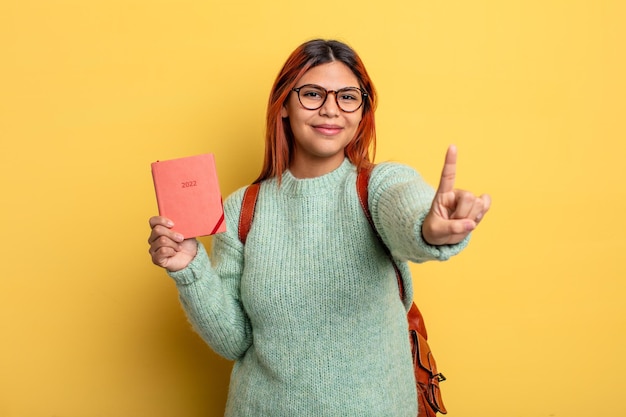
(312, 168)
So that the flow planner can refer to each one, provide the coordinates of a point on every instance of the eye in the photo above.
(312, 93)
(349, 95)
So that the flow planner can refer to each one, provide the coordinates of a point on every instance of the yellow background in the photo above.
(528, 321)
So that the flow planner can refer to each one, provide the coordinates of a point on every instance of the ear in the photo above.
(283, 111)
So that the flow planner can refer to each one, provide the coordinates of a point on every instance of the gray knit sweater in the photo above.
(309, 308)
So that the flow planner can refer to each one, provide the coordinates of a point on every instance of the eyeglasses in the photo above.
(348, 99)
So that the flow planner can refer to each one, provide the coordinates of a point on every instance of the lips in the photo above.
(328, 130)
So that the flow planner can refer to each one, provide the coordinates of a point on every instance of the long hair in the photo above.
(279, 141)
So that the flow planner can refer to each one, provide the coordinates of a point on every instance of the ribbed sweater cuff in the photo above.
(438, 252)
(194, 270)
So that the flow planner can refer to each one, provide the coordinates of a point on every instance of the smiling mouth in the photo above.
(328, 130)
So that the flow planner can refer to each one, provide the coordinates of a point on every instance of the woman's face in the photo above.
(321, 135)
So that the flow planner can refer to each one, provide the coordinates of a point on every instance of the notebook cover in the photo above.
(188, 193)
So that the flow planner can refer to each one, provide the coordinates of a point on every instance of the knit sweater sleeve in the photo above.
(399, 200)
(209, 289)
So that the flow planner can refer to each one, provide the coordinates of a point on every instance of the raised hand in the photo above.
(169, 249)
(454, 213)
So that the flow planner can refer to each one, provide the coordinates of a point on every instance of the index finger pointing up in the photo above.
(448, 174)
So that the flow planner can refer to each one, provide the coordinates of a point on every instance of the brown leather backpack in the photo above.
(427, 377)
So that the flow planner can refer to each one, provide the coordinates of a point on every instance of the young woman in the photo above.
(308, 308)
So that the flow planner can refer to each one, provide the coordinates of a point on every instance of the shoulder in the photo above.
(388, 174)
(398, 184)
(232, 210)
(393, 168)
(232, 204)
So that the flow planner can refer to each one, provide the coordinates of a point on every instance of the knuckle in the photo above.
(159, 257)
(155, 258)
(467, 196)
(155, 221)
(162, 241)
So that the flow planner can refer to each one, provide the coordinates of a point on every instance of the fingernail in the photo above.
(169, 223)
(469, 226)
(179, 237)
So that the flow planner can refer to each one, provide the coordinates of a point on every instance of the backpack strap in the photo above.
(416, 321)
(247, 210)
(362, 182)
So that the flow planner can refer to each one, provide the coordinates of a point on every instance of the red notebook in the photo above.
(188, 193)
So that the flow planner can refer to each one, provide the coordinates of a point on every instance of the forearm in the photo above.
(210, 300)
(399, 201)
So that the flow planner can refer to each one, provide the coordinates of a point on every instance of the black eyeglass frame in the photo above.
(364, 96)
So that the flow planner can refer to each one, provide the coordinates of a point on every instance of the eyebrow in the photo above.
(328, 89)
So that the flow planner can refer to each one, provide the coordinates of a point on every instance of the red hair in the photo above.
(278, 136)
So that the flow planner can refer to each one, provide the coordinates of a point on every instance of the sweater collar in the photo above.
(318, 185)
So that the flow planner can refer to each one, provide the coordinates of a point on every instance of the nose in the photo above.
(330, 107)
